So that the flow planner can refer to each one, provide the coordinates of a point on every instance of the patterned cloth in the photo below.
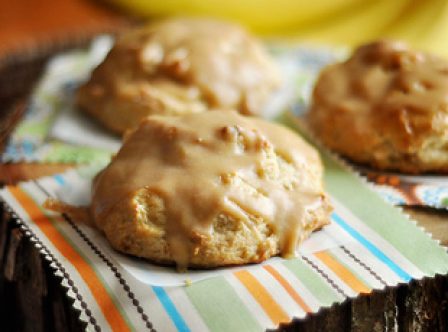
(368, 245)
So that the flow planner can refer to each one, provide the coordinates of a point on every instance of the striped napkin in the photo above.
(368, 245)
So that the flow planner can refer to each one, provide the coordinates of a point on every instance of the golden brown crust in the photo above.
(232, 243)
(210, 189)
(386, 106)
(178, 66)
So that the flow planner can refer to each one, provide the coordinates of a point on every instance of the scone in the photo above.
(179, 66)
(386, 106)
(210, 189)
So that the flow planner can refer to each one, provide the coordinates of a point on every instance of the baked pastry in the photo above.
(178, 66)
(386, 106)
(210, 189)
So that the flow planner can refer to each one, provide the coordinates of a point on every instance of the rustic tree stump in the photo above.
(32, 298)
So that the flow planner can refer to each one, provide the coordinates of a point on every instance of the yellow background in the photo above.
(424, 24)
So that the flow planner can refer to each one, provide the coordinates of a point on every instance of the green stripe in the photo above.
(384, 219)
(313, 282)
(62, 152)
(381, 217)
(56, 224)
(220, 306)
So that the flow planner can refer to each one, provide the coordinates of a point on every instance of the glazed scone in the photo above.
(210, 189)
(178, 66)
(386, 106)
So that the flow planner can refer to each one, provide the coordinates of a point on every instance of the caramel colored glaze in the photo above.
(385, 106)
(79, 213)
(177, 66)
(190, 161)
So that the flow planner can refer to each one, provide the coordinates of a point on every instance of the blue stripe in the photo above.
(28, 147)
(170, 308)
(59, 179)
(372, 248)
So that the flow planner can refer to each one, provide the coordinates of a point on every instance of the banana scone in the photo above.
(178, 66)
(386, 106)
(210, 189)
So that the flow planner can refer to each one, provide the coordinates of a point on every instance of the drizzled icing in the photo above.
(195, 162)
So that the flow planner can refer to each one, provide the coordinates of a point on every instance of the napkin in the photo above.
(368, 246)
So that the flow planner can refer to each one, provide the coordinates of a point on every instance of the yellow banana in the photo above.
(265, 16)
(425, 26)
(356, 25)
(343, 22)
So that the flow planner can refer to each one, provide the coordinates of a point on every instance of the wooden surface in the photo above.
(33, 30)
(27, 26)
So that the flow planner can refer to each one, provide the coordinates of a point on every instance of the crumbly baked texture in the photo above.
(386, 106)
(210, 189)
(179, 66)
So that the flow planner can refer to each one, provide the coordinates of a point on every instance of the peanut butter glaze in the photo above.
(384, 105)
(194, 163)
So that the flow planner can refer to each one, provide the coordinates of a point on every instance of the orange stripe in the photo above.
(286, 285)
(110, 311)
(261, 295)
(342, 272)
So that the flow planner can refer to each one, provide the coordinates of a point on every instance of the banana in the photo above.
(424, 24)
(263, 16)
(356, 25)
